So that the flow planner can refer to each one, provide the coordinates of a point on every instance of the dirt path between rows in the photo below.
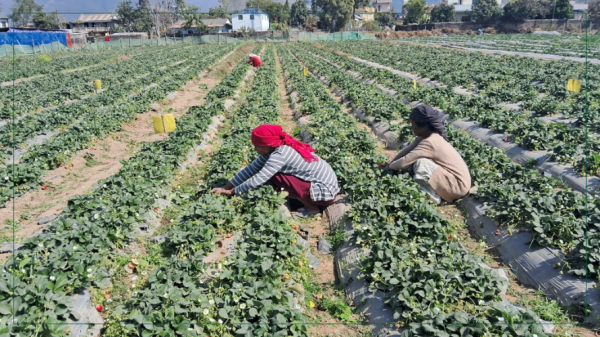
(323, 323)
(83, 171)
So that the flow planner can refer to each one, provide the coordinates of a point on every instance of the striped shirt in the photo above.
(323, 182)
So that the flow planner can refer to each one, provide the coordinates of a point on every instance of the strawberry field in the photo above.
(148, 250)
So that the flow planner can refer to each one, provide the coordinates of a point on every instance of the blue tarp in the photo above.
(32, 37)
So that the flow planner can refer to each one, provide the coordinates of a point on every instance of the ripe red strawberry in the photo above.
(497, 232)
(156, 209)
(229, 236)
(99, 307)
(44, 187)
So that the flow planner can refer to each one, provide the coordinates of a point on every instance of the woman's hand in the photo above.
(386, 165)
(223, 191)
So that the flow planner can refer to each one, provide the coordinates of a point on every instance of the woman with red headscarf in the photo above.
(288, 165)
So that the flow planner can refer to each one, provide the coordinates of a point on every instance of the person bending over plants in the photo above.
(436, 166)
(255, 60)
(289, 165)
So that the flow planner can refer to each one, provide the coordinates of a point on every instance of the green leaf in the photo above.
(223, 313)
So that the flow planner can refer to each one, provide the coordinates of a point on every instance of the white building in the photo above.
(382, 5)
(250, 18)
(3, 20)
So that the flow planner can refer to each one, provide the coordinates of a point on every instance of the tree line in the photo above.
(488, 11)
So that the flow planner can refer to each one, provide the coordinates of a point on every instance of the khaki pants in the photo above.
(423, 169)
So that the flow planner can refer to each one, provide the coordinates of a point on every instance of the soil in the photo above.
(76, 178)
(322, 323)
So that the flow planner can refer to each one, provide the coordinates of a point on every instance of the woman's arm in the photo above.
(247, 172)
(405, 150)
(273, 165)
(422, 150)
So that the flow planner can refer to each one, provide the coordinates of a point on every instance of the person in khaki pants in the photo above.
(436, 166)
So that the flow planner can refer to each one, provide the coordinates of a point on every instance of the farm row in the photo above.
(23, 67)
(517, 197)
(78, 250)
(572, 46)
(426, 274)
(566, 143)
(84, 124)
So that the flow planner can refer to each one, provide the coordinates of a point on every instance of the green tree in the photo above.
(414, 11)
(486, 11)
(143, 19)
(334, 14)
(218, 12)
(563, 10)
(384, 20)
(519, 10)
(126, 16)
(299, 13)
(594, 10)
(443, 13)
(23, 10)
(47, 21)
(277, 12)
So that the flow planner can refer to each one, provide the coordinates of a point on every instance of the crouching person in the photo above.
(286, 164)
(436, 166)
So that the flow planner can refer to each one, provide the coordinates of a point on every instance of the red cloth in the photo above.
(273, 135)
(256, 62)
(296, 188)
(107, 38)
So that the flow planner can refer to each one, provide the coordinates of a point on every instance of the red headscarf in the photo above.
(273, 135)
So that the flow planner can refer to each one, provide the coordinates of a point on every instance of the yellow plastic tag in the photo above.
(574, 85)
(170, 122)
(305, 71)
(97, 84)
(160, 122)
(414, 83)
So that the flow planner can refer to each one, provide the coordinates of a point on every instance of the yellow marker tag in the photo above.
(97, 84)
(160, 122)
(170, 122)
(414, 83)
(305, 71)
(574, 85)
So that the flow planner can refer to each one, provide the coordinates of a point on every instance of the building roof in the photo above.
(97, 17)
(249, 11)
(376, 2)
(4, 15)
(210, 23)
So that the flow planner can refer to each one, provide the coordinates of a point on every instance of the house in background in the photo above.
(365, 14)
(99, 23)
(3, 20)
(579, 9)
(217, 26)
(384, 6)
(250, 18)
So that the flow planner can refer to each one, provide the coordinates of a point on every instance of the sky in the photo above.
(108, 6)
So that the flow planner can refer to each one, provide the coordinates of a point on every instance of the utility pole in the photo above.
(554, 10)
